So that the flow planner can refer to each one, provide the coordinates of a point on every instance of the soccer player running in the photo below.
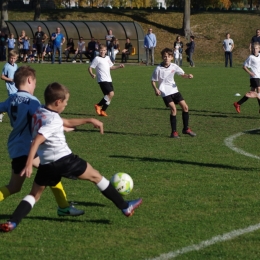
(57, 160)
(164, 75)
(103, 65)
(20, 107)
(252, 67)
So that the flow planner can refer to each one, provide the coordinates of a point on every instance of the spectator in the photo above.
(115, 45)
(254, 39)
(190, 50)
(3, 38)
(97, 47)
(178, 48)
(149, 45)
(26, 47)
(81, 49)
(11, 42)
(48, 50)
(228, 46)
(31, 57)
(69, 49)
(58, 40)
(127, 50)
(90, 53)
(20, 46)
(39, 39)
(108, 38)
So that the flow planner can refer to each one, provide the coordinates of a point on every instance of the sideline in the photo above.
(227, 236)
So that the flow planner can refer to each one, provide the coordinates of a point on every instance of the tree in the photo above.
(186, 20)
(4, 13)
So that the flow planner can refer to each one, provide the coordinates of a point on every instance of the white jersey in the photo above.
(49, 124)
(228, 43)
(102, 66)
(81, 46)
(253, 63)
(165, 78)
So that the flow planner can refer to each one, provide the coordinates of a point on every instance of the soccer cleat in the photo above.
(237, 107)
(174, 135)
(98, 109)
(8, 226)
(69, 211)
(103, 113)
(188, 132)
(132, 205)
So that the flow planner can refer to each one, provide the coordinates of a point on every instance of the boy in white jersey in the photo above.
(252, 67)
(103, 65)
(20, 108)
(56, 158)
(164, 75)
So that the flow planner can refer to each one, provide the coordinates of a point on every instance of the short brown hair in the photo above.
(21, 75)
(55, 91)
(168, 51)
(12, 53)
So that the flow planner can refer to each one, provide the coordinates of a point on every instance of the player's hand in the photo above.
(157, 92)
(93, 76)
(27, 171)
(190, 76)
(121, 66)
(98, 124)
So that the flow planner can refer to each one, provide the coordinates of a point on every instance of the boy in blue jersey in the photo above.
(11, 42)
(58, 40)
(26, 47)
(20, 108)
(8, 75)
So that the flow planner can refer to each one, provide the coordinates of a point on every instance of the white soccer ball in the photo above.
(123, 183)
(73, 61)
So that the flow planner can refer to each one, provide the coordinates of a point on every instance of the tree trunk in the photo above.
(4, 13)
(37, 12)
(186, 20)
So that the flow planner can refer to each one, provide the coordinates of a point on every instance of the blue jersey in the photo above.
(11, 43)
(58, 40)
(20, 108)
(8, 71)
(26, 44)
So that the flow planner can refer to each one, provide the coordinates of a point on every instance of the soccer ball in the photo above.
(123, 183)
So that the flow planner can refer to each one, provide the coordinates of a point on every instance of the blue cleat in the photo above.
(69, 211)
(8, 226)
(132, 205)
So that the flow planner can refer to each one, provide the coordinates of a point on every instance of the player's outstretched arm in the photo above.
(91, 73)
(73, 122)
(120, 66)
(28, 169)
(187, 76)
(156, 90)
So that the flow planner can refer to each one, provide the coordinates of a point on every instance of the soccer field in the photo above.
(200, 194)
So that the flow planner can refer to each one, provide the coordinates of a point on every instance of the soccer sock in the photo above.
(4, 193)
(60, 195)
(242, 100)
(23, 209)
(102, 102)
(185, 120)
(258, 100)
(173, 123)
(111, 193)
(105, 106)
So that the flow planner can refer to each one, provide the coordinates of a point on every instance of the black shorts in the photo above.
(25, 52)
(176, 98)
(18, 164)
(106, 87)
(39, 48)
(70, 166)
(254, 83)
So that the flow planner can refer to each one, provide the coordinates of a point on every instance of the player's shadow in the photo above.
(87, 204)
(210, 165)
(79, 114)
(253, 132)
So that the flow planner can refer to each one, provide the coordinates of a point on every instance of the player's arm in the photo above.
(28, 169)
(121, 66)
(63, 40)
(3, 77)
(91, 73)
(73, 122)
(156, 90)
(245, 68)
(45, 37)
(187, 76)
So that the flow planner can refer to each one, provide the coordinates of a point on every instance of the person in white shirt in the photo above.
(168, 90)
(81, 49)
(103, 65)
(252, 67)
(228, 46)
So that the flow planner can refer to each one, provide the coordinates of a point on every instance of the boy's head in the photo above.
(22, 74)
(102, 50)
(256, 47)
(167, 56)
(55, 91)
(12, 56)
(168, 51)
(192, 38)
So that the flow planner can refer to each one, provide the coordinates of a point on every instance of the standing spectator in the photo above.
(228, 46)
(39, 39)
(20, 46)
(149, 45)
(178, 48)
(48, 50)
(90, 53)
(58, 40)
(11, 42)
(127, 50)
(190, 50)
(3, 38)
(108, 38)
(81, 49)
(97, 47)
(69, 49)
(254, 39)
(116, 47)
(26, 47)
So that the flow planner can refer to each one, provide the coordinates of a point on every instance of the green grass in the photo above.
(192, 188)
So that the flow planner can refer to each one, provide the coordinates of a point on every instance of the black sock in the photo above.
(105, 106)
(185, 120)
(173, 122)
(112, 194)
(21, 211)
(242, 100)
(258, 100)
(102, 102)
